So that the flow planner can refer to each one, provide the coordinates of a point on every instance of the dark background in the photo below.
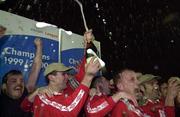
(143, 35)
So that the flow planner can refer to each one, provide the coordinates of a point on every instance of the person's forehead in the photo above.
(129, 74)
(103, 78)
(17, 76)
(164, 84)
(153, 81)
(106, 80)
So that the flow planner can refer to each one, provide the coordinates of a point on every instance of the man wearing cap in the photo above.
(58, 104)
(153, 105)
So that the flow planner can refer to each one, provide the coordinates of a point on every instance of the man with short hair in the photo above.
(101, 103)
(14, 89)
(163, 89)
(126, 81)
(59, 104)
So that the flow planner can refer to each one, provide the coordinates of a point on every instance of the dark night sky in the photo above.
(140, 34)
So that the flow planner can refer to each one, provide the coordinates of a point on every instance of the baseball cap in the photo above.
(147, 77)
(56, 67)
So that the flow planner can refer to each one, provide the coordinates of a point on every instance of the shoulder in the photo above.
(120, 105)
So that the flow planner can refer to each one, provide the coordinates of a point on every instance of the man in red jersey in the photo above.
(100, 104)
(126, 81)
(153, 105)
(59, 104)
(76, 76)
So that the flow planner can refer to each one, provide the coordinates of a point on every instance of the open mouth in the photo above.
(18, 88)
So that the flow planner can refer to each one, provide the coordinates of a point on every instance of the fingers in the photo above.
(174, 79)
(173, 82)
(88, 36)
(89, 31)
(93, 66)
(94, 61)
(173, 87)
(46, 91)
(38, 41)
(92, 92)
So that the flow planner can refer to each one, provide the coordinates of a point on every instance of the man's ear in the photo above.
(4, 87)
(51, 77)
(101, 87)
(142, 88)
(120, 87)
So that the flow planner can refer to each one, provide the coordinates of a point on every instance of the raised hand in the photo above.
(92, 67)
(172, 91)
(38, 42)
(88, 37)
(90, 71)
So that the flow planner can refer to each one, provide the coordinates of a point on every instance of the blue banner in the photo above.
(72, 57)
(18, 52)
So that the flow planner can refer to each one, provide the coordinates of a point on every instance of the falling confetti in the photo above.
(141, 34)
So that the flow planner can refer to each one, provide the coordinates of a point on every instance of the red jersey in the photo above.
(59, 105)
(78, 77)
(126, 108)
(158, 109)
(26, 105)
(99, 106)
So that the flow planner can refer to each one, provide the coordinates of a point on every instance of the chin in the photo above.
(16, 96)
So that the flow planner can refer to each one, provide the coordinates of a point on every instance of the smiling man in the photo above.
(153, 106)
(14, 89)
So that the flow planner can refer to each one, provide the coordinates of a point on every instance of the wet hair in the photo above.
(118, 75)
(96, 80)
(10, 73)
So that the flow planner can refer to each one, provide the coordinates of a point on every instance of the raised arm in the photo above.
(173, 89)
(88, 43)
(36, 66)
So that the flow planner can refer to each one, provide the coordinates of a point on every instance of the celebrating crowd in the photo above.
(87, 93)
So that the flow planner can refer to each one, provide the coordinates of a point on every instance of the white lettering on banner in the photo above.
(21, 62)
(73, 61)
(13, 51)
(13, 61)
